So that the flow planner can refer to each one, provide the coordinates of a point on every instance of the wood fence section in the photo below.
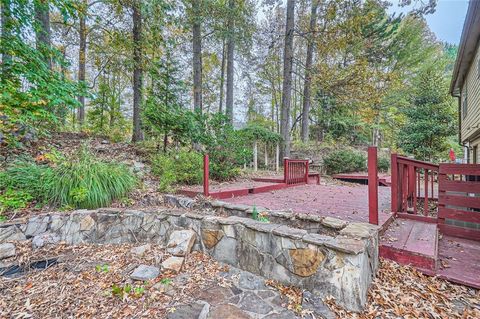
(412, 181)
(295, 171)
(459, 200)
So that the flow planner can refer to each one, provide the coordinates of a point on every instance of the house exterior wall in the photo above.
(470, 108)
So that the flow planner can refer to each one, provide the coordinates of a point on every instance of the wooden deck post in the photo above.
(306, 171)
(285, 169)
(206, 175)
(372, 186)
(394, 181)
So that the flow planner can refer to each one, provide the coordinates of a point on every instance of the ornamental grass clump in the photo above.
(83, 181)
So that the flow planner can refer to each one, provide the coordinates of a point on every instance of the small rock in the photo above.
(227, 311)
(167, 289)
(251, 302)
(144, 273)
(173, 263)
(211, 237)
(7, 250)
(306, 261)
(287, 314)
(317, 306)
(334, 223)
(251, 281)
(181, 242)
(215, 295)
(196, 310)
(45, 239)
(359, 230)
(11, 233)
(87, 223)
(37, 225)
(265, 294)
(140, 250)
(105, 142)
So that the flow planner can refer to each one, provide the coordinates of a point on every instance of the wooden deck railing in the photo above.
(459, 200)
(458, 187)
(412, 181)
(295, 171)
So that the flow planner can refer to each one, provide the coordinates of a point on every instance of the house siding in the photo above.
(470, 123)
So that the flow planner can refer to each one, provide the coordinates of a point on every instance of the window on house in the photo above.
(464, 103)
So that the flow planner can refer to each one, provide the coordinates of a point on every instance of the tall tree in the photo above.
(42, 30)
(82, 52)
(287, 78)
(137, 71)
(222, 77)
(6, 27)
(230, 60)
(308, 75)
(197, 55)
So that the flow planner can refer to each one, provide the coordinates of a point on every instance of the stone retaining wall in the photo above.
(342, 265)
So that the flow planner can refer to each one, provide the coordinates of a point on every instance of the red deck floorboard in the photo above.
(411, 242)
(229, 186)
(414, 236)
(345, 202)
(460, 260)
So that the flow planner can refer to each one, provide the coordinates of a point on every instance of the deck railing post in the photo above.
(306, 171)
(206, 175)
(372, 185)
(394, 181)
(285, 169)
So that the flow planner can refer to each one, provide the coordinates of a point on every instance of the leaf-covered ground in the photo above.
(93, 281)
(403, 292)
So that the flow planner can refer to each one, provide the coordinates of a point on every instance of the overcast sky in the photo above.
(447, 21)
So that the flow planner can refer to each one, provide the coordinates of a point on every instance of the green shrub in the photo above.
(383, 164)
(13, 200)
(183, 167)
(164, 168)
(82, 181)
(27, 176)
(344, 161)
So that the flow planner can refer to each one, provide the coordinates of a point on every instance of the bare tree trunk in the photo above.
(222, 78)
(6, 27)
(287, 79)
(266, 156)
(197, 56)
(82, 52)
(308, 75)
(42, 33)
(137, 71)
(230, 60)
(255, 155)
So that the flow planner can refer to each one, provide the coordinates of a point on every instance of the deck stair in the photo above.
(411, 242)
(420, 244)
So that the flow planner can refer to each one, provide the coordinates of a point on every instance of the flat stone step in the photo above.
(411, 242)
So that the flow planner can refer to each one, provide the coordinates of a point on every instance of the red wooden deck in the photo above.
(419, 244)
(459, 260)
(411, 242)
(228, 190)
(383, 179)
(345, 202)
